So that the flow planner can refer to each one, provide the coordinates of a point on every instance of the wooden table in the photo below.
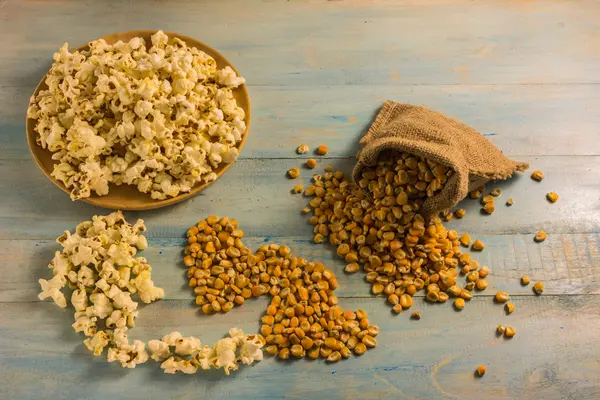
(525, 73)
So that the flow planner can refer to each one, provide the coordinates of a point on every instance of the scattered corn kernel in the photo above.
(460, 213)
(298, 189)
(500, 329)
(509, 202)
(322, 150)
(502, 297)
(459, 303)
(481, 284)
(477, 245)
(465, 240)
(487, 199)
(496, 192)
(311, 163)
(481, 370)
(484, 271)
(552, 197)
(489, 208)
(509, 331)
(302, 149)
(416, 315)
(293, 173)
(352, 268)
(538, 288)
(406, 301)
(397, 308)
(525, 280)
(540, 236)
(509, 307)
(537, 175)
(475, 194)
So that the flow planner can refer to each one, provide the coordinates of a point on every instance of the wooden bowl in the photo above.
(126, 197)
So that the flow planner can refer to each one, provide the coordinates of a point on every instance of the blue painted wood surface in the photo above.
(525, 73)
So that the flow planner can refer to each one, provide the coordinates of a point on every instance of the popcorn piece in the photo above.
(97, 343)
(171, 338)
(172, 365)
(159, 349)
(187, 346)
(79, 300)
(224, 355)
(52, 289)
(251, 349)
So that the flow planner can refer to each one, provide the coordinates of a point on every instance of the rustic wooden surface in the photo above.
(525, 73)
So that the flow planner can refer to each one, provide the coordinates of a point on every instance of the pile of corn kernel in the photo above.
(376, 224)
(303, 319)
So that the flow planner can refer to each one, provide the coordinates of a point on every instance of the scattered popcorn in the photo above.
(172, 365)
(99, 259)
(166, 105)
(159, 349)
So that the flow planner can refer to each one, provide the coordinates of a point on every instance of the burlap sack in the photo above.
(418, 130)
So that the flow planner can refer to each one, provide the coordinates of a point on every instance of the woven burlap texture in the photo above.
(420, 131)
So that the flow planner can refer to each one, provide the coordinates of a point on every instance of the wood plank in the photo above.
(433, 358)
(525, 120)
(566, 263)
(335, 43)
(258, 194)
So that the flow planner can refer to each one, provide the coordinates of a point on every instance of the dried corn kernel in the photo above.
(509, 331)
(459, 303)
(311, 163)
(509, 202)
(477, 245)
(552, 197)
(460, 213)
(509, 307)
(489, 208)
(475, 194)
(487, 199)
(465, 240)
(484, 271)
(537, 175)
(481, 370)
(496, 192)
(540, 236)
(416, 315)
(525, 280)
(322, 150)
(302, 149)
(298, 189)
(293, 173)
(481, 284)
(500, 329)
(502, 297)
(538, 288)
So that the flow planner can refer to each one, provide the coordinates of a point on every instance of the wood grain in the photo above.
(523, 120)
(566, 263)
(433, 358)
(524, 73)
(258, 194)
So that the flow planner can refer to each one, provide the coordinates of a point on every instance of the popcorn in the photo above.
(172, 365)
(159, 349)
(224, 355)
(187, 346)
(166, 106)
(104, 291)
(97, 343)
(92, 259)
(251, 349)
(52, 289)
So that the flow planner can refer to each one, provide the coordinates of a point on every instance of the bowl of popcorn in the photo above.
(137, 120)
